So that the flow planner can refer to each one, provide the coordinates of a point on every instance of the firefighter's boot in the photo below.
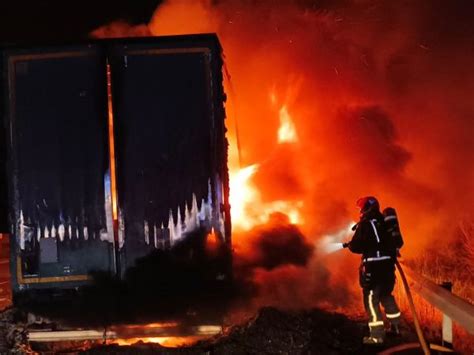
(372, 340)
(394, 330)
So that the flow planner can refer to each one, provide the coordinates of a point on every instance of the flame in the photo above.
(287, 131)
(248, 209)
(247, 206)
(169, 334)
(153, 325)
(170, 342)
(242, 194)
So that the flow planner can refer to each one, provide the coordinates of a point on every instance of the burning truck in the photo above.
(113, 150)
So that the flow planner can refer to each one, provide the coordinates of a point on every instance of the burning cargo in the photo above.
(114, 149)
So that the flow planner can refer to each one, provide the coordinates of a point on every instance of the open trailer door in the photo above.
(171, 152)
(59, 194)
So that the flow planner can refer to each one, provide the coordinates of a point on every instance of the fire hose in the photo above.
(419, 332)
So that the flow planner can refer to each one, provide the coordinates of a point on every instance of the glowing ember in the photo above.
(170, 342)
(170, 334)
(212, 242)
(153, 325)
(287, 131)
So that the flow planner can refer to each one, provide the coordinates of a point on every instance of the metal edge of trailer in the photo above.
(167, 41)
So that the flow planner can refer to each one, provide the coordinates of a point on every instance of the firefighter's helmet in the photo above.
(367, 204)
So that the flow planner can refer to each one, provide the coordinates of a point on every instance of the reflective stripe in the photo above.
(371, 308)
(375, 229)
(377, 259)
(376, 324)
(394, 315)
(389, 218)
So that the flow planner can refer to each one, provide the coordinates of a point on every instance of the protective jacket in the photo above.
(372, 240)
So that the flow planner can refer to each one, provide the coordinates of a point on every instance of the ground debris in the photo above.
(275, 332)
(271, 331)
(13, 335)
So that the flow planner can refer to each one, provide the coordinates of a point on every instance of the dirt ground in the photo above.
(271, 331)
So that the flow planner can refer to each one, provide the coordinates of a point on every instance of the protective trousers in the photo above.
(377, 281)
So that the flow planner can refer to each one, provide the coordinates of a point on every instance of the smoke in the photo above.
(274, 244)
(280, 267)
(380, 95)
(121, 29)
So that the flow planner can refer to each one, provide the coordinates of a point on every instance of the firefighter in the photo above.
(379, 249)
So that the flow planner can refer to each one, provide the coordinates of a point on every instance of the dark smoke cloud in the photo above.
(280, 267)
(275, 244)
(370, 133)
(121, 29)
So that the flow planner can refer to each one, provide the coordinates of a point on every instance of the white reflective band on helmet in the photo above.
(375, 229)
(376, 324)
(389, 218)
(377, 259)
(394, 315)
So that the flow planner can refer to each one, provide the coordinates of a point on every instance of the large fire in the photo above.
(330, 103)
(348, 87)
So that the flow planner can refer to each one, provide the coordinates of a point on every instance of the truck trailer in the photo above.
(113, 149)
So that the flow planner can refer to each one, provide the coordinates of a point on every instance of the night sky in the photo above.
(49, 20)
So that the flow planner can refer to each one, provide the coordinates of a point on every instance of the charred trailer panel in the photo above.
(114, 150)
(55, 115)
(171, 152)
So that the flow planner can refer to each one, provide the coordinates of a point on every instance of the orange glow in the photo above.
(5, 288)
(113, 180)
(170, 342)
(153, 325)
(333, 105)
(248, 209)
(354, 96)
(212, 242)
(242, 194)
(247, 205)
